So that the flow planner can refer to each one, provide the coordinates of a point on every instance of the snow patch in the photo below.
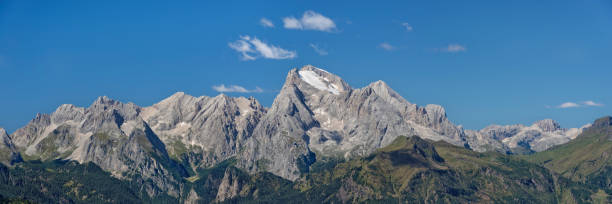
(318, 81)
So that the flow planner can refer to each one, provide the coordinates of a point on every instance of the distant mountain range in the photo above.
(320, 141)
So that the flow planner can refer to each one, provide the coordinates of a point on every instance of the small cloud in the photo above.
(454, 48)
(408, 27)
(568, 105)
(243, 47)
(592, 103)
(266, 23)
(310, 21)
(292, 23)
(386, 46)
(235, 88)
(576, 105)
(253, 48)
(318, 50)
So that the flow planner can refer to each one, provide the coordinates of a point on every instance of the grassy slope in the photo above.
(586, 159)
(414, 170)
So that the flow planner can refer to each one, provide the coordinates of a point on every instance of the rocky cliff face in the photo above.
(317, 113)
(231, 186)
(8, 153)
(203, 130)
(108, 133)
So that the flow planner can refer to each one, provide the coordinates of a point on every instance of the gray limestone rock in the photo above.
(204, 130)
(8, 153)
(231, 186)
(317, 112)
(108, 133)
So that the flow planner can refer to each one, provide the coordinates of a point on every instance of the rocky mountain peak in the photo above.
(178, 94)
(67, 112)
(222, 98)
(548, 125)
(178, 99)
(380, 84)
(8, 153)
(435, 111)
(382, 89)
(601, 126)
(104, 100)
(603, 122)
(41, 118)
(106, 107)
(3, 133)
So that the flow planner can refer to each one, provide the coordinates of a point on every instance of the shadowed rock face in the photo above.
(603, 122)
(8, 153)
(601, 126)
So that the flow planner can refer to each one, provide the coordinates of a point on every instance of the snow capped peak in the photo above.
(313, 68)
(322, 80)
(318, 81)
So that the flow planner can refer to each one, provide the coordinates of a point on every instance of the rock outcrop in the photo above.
(8, 153)
(231, 186)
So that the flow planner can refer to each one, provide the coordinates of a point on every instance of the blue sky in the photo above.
(484, 61)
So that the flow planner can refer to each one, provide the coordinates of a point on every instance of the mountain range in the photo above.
(361, 144)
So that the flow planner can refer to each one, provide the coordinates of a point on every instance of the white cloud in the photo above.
(576, 105)
(454, 48)
(318, 50)
(568, 105)
(310, 21)
(235, 88)
(408, 27)
(253, 48)
(266, 23)
(292, 23)
(243, 47)
(386, 46)
(592, 103)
